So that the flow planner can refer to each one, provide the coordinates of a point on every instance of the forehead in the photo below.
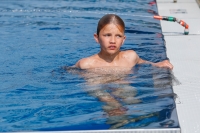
(112, 28)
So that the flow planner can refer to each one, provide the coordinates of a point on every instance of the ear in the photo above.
(96, 38)
(124, 39)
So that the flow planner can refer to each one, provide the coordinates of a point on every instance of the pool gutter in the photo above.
(171, 130)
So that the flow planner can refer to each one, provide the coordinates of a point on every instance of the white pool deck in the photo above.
(184, 53)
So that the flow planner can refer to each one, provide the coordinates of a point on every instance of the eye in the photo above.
(107, 35)
(118, 36)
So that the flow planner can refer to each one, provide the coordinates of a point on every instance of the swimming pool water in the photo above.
(40, 38)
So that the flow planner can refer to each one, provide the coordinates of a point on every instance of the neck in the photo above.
(108, 57)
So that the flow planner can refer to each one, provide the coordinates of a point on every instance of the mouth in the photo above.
(112, 47)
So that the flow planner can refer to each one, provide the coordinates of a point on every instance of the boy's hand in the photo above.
(164, 63)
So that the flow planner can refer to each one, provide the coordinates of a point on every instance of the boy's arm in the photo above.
(164, 63)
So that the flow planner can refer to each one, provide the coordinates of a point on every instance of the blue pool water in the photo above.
(40, 39)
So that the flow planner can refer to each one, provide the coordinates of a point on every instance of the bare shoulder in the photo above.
(86, 63)
(130, 54)
(83, 63)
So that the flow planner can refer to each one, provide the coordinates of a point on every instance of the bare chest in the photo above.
(118, 63)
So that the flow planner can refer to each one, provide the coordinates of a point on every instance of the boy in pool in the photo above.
(110, 35)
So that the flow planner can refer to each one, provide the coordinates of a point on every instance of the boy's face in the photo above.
(110, 38)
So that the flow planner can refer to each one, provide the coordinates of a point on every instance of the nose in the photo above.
(112, 39)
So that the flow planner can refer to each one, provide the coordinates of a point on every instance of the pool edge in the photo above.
(171, 130)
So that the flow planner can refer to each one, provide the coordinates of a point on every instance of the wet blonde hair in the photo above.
(110, 19)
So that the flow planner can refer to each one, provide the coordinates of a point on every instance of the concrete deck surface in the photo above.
(184, 53)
